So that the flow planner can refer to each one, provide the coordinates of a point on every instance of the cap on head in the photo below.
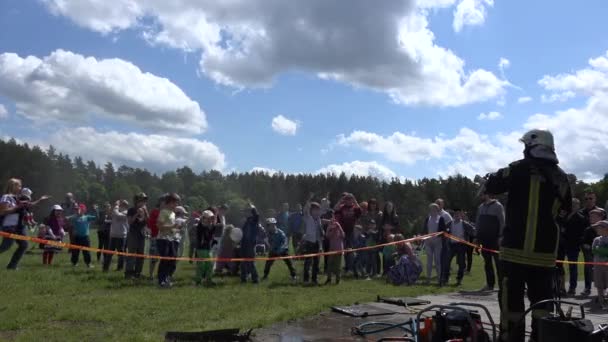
(601, 225)
(26, 192)
(271, 220)
(82, 207)
(208, 214)
(140, 197)
(57, 207)
(537, 137)
(181, 210)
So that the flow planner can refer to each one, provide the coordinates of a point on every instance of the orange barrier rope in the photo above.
(304, 256)
(481, 248)
(146, 256)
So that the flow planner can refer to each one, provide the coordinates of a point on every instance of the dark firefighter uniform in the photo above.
(537, 190)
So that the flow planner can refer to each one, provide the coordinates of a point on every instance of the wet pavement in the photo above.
(331, 326)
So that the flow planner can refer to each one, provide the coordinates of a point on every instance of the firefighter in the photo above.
(537, 191)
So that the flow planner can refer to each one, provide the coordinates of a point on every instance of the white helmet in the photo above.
(537, 137)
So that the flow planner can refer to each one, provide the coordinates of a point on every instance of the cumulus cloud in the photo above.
(70, 87)
(248, 43)
(469, 152)
(3, 112)
(266, 170)
(490, 116)
(470, 13)
(284, 126)
(557, 97)
(524, 99)
(360, 168)
(155, 152)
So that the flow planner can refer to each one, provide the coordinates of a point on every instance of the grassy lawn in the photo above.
(62, 303)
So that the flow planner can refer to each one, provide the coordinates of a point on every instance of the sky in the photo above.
(395, 89)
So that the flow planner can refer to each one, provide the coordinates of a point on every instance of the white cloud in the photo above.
(490, 116)
(580, 133)
(71, 87)
(266, 170)
(284, 126)
(557, 97)
(157, 153)
(360, 168)
(470, 13)
(524, 99)
(248, 43)
(3, 112)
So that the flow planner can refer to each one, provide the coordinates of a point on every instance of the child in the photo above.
(203, 244)
(278, 246)
(167, 240)
(54, 231)
(182, 220)
(388, 254)
(599, 249)
(589, 235)
(227, 250)
(462, 230)
(119, 229)
(335, 236)
(360, 257)
(408, 268)
(80, 224)
(312, 239)
(372, 238)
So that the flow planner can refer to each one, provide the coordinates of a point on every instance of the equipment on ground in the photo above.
(226, 335)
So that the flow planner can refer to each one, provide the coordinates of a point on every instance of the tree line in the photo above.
(53, 173)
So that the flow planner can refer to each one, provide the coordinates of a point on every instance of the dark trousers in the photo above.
(457, 251)
(572, 255)
(588, 257)
(103, 241)
(387, 263)
(81, 241)
(360, 263)
(372, 260)
(311, 248)
(135, 244)
(166, 268)
(7, 243)
(116, 244)
(517, 278)
(469, 258)
(349, 258)
(248, 267)
(490, 260)
(288, 262)
(446, 250)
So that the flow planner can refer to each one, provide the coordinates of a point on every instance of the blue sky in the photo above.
(399, 99)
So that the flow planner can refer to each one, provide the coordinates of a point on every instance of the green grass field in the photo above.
(62, 303)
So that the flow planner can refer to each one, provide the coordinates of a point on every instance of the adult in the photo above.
(590, 204)
(434, 223)
(347, 212)
(138, 217)
(119, 229)
(294, 232)
(11, 213)
(537, 189)
(388, 220)
(572, 226)
(312, 239)
(490, 223)
(104, 221)
(250, 230)
(446, 216)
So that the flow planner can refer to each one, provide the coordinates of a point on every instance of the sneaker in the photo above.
(571, 292)
(486, 289)
(328, 281)
(90, 266)
(75, 265)
(586, 293)
(264, 278)
(368, 278)
(294, 278)
(459, 282)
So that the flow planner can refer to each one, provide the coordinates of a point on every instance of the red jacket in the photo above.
(152, 222)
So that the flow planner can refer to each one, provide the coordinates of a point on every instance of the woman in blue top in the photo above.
(80, 224)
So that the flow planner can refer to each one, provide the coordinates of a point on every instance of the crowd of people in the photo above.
(309, 229)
